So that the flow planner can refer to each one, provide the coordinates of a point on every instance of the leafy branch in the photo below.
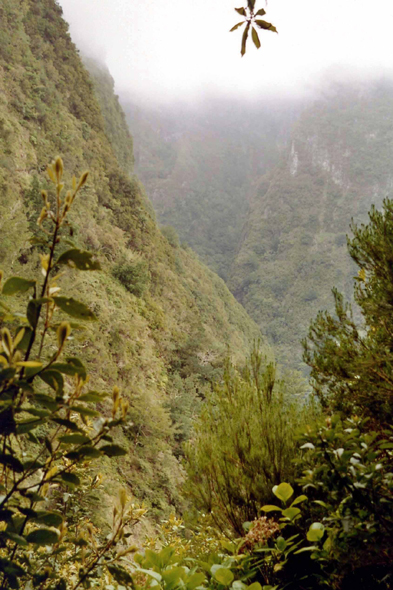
(252, 21)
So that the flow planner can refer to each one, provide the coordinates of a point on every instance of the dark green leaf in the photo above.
(33, 495)
(6, 515)
(15, 538)
(49, 518)
(67, 424)
(25, 386)
(121, 575)
(37, 412)
(74, 308)
(113, 450)
(84, 411)
(70, 479)
(262, 24)
(244, 39)
(93, 396)
(81, 259)
(27, 425)
(71, 368)
(43, 537)
(17, 285)
(85, 451)
(10, 567)
(32, 314)
(261, 12)
(11, 462)
(46, 401)
(7, 374)
(54, 379)
(79, 366)
(29, 512)
(255, 38)
(241, 11)
(77, 439)
(237, 26)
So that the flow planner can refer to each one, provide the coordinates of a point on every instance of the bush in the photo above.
(242, 444)
(170, 234)
(133, 274)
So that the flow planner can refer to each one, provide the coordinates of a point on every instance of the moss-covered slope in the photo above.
(166, 320)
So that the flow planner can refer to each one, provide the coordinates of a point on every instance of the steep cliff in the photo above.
(164, 319)
(200, 163)
(338, 162)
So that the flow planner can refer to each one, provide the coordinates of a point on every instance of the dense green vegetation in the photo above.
(278, 491)
(199, 164)
(244, 441)
(293, 251)
(155, 341)
(267, 202)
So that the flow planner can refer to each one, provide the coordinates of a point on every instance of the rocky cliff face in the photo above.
(293, 251)
(266, 197)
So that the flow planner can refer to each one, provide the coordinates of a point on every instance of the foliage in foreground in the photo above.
(337, 533)
(49, 427)
(252, 20)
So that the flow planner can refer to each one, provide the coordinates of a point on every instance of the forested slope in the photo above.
(338, 163)
(266, 195)
(164, 320)
(200, 162)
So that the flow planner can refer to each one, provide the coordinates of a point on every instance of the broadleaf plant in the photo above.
(47, 433)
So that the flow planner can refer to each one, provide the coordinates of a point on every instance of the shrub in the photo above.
(242, 444)
(170, 234)
(133, 274)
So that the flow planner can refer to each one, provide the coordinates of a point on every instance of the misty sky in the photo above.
(170, 49)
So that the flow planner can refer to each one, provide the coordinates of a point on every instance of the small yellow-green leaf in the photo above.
(283, 491)
(315, 532)
(299, 500)
(224, 576)
(31, 364)
(270, 508)
(291, 513)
